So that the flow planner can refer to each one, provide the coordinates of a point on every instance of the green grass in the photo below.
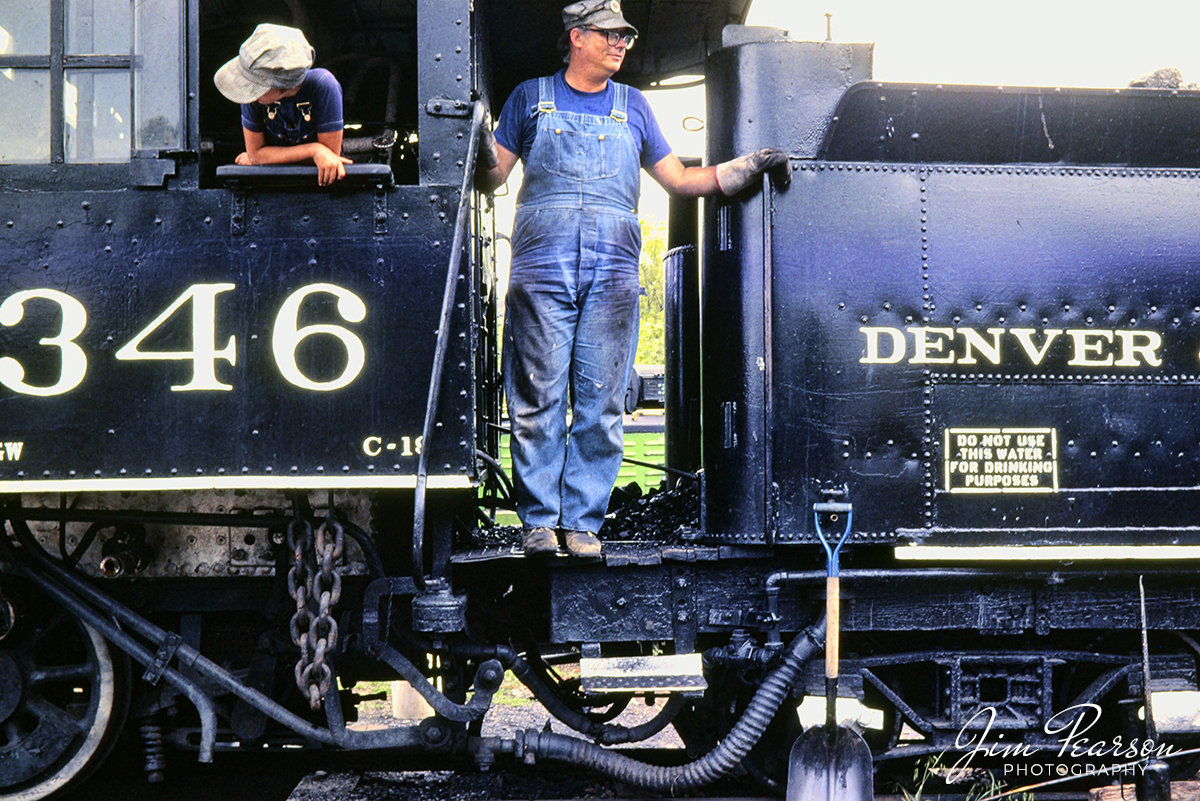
(371, 688)
(645, 446)
(512, 693)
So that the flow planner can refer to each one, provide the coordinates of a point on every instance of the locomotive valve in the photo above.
(125, 551)
(112, 567)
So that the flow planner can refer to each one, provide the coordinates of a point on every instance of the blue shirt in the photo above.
(316, 108)
(518, 123)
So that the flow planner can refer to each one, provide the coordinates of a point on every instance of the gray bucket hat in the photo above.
(603, 14)
(274, 57)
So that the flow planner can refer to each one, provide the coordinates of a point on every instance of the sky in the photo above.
(1017, 42)
(1101, 43)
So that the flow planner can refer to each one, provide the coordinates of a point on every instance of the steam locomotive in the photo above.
(250, 426)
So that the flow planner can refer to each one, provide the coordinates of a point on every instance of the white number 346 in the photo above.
(286, 336)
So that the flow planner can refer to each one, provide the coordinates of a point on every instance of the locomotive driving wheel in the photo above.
(63, 697)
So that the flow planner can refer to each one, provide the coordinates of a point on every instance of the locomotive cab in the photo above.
(186, 350)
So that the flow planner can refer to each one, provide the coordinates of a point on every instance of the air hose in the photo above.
(708, 768)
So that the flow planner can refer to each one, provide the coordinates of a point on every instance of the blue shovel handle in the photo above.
(832, 551)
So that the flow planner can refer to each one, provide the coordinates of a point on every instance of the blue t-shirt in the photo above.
(518, 123)
(316, 108)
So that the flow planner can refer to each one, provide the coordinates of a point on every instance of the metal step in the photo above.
(675, 673)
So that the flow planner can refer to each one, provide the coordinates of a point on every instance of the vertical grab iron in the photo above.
(439, 359)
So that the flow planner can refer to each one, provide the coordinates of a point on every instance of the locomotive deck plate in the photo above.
(681, 673)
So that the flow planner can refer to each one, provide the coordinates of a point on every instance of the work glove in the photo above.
(734, 176)
(488, 158)
(485, 160)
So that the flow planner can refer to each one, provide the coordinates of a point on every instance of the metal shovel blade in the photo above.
(824, 768)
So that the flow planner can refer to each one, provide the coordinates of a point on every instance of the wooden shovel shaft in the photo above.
(832, 625)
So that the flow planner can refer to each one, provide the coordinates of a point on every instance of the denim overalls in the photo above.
(572, 312)
(289, 122)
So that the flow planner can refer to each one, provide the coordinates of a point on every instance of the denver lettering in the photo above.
(938, 345)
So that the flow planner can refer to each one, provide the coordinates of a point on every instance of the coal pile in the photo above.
(633, 516)
(656, 516)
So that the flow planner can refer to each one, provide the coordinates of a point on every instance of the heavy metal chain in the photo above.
(315, 582)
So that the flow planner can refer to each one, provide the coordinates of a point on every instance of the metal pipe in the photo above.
(770, 499)
(431, 734)
(498, 469)
(614, 735)
(188, 657)
(368, 547)
(111, 516)
(204, 706)
(487, 679)
(546, 695)
(664, 468)
(775, 580)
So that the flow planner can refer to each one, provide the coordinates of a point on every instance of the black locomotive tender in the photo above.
(249, 425)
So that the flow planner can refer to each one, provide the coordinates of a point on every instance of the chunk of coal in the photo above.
(666, 516)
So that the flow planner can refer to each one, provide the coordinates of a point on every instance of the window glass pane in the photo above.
(25, 121)
(98, 27)
(24, 27)
(158, 74)
(96, 108)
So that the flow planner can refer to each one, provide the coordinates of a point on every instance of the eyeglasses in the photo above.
(616, 37)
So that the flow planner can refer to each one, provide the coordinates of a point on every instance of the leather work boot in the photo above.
(582, 543)
(539, 541)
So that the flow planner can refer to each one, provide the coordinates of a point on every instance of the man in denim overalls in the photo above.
(572, 310)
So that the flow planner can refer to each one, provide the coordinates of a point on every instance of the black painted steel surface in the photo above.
(924, 124)
(296, 350)
(981, 354)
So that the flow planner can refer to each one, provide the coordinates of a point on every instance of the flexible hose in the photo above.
(713, 765)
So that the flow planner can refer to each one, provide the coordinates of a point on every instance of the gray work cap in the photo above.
(603, 14)
(274, 57)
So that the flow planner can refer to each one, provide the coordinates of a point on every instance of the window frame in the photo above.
(57, 63)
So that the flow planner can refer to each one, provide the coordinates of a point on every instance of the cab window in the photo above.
(90, 81)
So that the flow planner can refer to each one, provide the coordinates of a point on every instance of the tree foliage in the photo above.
(650, 271)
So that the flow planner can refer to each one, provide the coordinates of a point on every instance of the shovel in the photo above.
(830, 762)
